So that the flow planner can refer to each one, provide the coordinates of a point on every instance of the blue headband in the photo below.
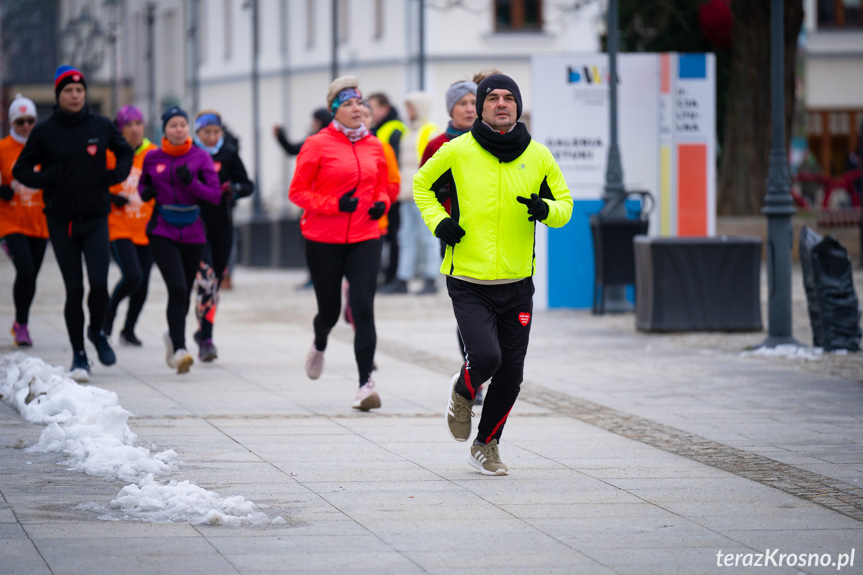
(344, 96)
(207, 120)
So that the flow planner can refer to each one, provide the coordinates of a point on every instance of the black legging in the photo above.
(26, 254)
(214, 262)
(178, 264)
(135, 263)
(359, 264)
(392, 238)
(70, 241)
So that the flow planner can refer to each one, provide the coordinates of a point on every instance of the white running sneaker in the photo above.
(182, 360)
(169, 349)
(314, 363)
(367, 398)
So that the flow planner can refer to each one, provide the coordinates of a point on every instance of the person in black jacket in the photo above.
(321, 118)
(70, 146)
(218, 220)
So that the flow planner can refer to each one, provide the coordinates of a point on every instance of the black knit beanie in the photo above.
(495, 82)
(171, 112)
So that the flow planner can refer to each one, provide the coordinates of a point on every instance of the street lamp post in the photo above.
(153, 112)
(615, 193)
(778, 205)
(113, 8)
(257, 204)
(614, 170)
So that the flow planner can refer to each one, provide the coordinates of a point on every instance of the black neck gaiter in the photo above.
(504, 147)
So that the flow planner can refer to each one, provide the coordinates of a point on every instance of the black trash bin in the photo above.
(834, 311)
(613, 254)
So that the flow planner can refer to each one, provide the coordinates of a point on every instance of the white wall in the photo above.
(294, 74)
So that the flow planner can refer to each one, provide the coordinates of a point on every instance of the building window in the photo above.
(310, 23)
(518, 15)
(840, 14)
(833, 135)
(344, 21)
(201, 31)
(283, 24)
(379, 19)
(227, 36)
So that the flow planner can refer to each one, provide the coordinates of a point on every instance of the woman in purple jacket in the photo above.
(178, 175)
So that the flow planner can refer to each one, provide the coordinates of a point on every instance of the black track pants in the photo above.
(135, 264)
(26, 254)
(359, 263)
(178, 264)
(494, 323)
(71, 241)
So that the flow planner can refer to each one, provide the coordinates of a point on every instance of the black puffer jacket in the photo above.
(71, 151)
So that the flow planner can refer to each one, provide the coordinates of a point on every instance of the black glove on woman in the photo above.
(184, 174)
(449, 231)
(536, 207)
(377, 210)
(147, 192)
(348, 203)
(118, 200)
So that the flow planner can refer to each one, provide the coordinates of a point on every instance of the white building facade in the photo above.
(833, 89)
(377, 40)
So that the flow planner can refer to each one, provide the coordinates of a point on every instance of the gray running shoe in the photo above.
(207, 351)
(486, 458)
(458, 413)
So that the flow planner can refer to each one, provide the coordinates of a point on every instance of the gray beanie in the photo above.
(458, 91)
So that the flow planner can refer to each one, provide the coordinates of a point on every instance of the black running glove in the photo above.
(536, 207)
(348, 203)
(449, 231)
(184, 174)
(377, 210)
(118, 200)
(147, 193)
(6, 193)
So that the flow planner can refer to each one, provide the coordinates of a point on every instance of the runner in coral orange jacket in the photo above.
(22, 223)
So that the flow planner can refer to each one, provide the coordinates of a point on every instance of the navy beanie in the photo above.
(171, 112)
(495, 82)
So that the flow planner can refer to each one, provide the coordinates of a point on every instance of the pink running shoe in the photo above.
(314, 363)
(367, 398)
(21, 334)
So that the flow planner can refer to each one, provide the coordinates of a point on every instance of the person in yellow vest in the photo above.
(22, 223)
(415, 245)
(389, 128)
(127, 230)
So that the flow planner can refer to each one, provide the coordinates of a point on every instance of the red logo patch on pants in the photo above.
(524, 318)
(91, 149)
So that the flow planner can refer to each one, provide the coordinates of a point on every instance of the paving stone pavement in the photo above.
(629, 452)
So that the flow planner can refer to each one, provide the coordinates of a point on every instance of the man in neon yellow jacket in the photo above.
(502, 182)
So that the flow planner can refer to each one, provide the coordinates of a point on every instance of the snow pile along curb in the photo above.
(88, 425)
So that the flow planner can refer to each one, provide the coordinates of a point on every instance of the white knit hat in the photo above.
(21, 106)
